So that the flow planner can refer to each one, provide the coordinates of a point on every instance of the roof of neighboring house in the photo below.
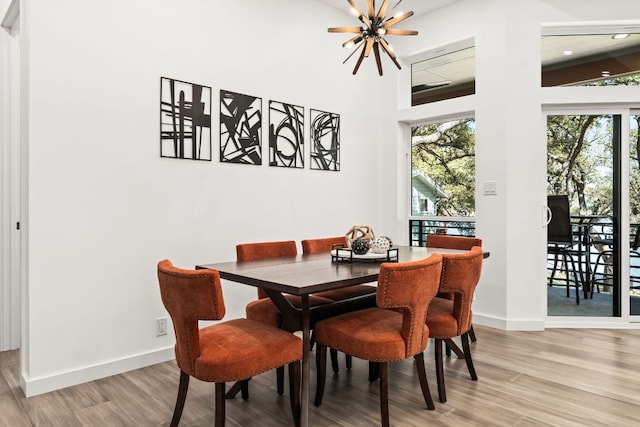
(426, 186)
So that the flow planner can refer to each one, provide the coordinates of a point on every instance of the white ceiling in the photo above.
(419, 7)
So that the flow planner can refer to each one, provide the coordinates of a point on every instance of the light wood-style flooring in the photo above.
(560, 377)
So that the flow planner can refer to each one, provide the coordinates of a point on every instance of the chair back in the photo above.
(635, 242)
(559, 229)
(460, 276)
(314, 246)
(189, 296)
(409, 287)
(263, 250)
(452, 242)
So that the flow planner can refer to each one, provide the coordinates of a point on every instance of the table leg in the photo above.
(306, 355)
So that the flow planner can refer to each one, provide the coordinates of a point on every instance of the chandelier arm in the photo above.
(361, 16)
(368, 46)
(376, 53)
(355, 49)
(354, 30)
(399, 32)
(394, 6)
(389, 51)
(383, 9)
(353, 41)
(355, 69)
(393, 21)
(371, 11)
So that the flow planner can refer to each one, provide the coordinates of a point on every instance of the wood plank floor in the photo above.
(560, 377)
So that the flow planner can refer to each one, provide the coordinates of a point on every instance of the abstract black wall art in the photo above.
(240, 128)
(324, 137)
(185, 120)
(286, 135)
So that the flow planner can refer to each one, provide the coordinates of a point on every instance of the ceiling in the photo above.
(419, 7)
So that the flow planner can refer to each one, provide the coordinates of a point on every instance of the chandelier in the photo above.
(371, 36)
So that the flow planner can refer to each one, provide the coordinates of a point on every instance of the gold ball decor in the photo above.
(359, 232)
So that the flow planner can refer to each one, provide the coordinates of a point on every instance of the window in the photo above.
(445, 73)
(591, 60)
(443, 169)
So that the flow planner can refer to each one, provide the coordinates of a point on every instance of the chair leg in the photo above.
(321, 372)
(236, 388)
(245, 389)
(220, 409)
(467, 356)
(182, 396)
(294, 391)
(384, 394)
(472, 334)
(442, 395)
(334, 360)
(374, 371)
(280, 380)
(348, 361)
(424, 385)
(566, 271)
(451, 345)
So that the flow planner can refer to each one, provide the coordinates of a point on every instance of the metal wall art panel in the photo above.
(240, 128)
(185, 120)
(324, 136)
(286, 135)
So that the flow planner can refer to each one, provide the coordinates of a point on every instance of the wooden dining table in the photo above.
(303, 275)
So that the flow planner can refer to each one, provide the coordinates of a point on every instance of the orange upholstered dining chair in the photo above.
(381, 335)
(454, 242)
(227, 351)
(263, 309)
(449, 318)
(314, 246)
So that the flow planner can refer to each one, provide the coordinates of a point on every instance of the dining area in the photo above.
(379, 307)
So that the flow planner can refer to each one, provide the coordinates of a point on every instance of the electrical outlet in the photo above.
(161, 326)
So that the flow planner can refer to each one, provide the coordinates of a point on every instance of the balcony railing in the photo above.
(420, 228)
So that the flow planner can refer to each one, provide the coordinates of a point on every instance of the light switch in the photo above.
(489, 188)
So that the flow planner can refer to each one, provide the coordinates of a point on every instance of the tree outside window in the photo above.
(443, 169)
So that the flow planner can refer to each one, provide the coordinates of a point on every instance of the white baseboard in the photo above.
(554, 322)
(35, 386)
(509, 324)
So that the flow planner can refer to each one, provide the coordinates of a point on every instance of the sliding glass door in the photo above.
(582, 174)
(634, 213)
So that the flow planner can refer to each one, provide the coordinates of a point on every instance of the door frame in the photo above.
(10, 180)
(622, 210)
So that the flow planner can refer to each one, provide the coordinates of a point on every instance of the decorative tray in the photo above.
(347, 255)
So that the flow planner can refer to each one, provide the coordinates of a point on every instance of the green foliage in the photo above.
(628, 80)
(445, 152)
(580, 163)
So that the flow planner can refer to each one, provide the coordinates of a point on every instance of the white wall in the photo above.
(105, 208)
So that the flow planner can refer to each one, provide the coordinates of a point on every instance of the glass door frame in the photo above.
(621, 182)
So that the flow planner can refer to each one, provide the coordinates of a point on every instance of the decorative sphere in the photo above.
(360, 246)
(380, 245)
(359, 232)
(389, 239)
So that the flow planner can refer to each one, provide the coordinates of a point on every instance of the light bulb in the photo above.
(619, 36)
(381, 31)
(354, 12)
